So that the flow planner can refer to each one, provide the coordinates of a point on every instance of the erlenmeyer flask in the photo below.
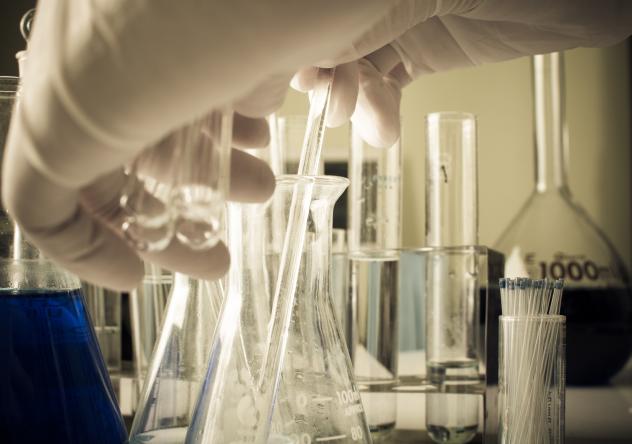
(226, 411)
(317, 384)
(54, 386)
(178, 363)
(553, 237)
(317, 400)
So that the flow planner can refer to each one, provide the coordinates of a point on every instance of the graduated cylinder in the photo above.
(451, 221)
(374, 237)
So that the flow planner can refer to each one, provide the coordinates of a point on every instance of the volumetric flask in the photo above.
(178, 363)
(553, 237)
(316, 400)
(54, 385)
(374, 237)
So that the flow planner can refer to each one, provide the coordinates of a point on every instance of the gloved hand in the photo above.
(414, 40)
(107, 78)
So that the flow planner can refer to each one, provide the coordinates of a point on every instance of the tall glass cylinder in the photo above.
(452, 276)
(451, 180)
(375, 197)
(451, 220)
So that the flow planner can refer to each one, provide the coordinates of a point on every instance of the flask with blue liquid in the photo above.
(54, 385)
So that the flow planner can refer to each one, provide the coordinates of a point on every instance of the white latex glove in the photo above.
(414, 40)
(106, 78)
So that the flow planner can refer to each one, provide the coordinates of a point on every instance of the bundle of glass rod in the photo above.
(532, 363)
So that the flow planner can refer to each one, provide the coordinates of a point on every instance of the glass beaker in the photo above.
(316, 400)
(531, 379)
(375, 197)
(53, 380)
(553, 237)
(178, 363)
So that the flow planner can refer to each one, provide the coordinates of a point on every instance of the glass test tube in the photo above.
(452, 277)
(451, 180)
(374, 237)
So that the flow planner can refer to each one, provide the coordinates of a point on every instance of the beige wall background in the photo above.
(598, 117)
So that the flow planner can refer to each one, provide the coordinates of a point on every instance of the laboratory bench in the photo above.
(594, 415)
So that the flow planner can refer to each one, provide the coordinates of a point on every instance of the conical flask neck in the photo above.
(325, 191)
(550, 124)
(13, 246)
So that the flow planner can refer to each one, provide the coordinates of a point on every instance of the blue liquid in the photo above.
(54, 387)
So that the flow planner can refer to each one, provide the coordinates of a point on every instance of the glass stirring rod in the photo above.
(292, 248)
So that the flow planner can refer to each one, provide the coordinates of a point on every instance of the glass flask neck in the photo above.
(551, 138)
(13, 246)
(325, 192)
(12, 243)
